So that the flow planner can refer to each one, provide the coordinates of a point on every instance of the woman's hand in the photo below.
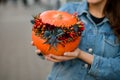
(77, 53)
(67, 56)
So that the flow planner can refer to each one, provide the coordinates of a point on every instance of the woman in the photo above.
(98, 54)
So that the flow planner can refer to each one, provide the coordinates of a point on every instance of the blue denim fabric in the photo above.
(98, 40)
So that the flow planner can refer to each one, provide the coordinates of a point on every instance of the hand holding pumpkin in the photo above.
(53, 34)
(77, 53)
(67, 56)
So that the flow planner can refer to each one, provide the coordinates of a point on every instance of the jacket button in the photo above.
(86, 65)
(90, 50)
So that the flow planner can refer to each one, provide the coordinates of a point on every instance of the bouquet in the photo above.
(56, 32)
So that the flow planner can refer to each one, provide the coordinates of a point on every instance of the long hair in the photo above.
(112, 12)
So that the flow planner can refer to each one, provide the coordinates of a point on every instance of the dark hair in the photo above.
(112, 12)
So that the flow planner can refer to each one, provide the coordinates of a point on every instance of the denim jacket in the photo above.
(98, 40)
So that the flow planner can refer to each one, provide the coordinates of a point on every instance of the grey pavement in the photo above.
(18, 60)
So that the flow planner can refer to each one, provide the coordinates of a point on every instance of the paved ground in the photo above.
(18, 60)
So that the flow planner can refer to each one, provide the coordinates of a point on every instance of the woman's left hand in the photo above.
(67, 56)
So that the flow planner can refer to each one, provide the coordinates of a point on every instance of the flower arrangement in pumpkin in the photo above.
(56, 32)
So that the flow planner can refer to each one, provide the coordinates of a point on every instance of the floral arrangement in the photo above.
(56, 28)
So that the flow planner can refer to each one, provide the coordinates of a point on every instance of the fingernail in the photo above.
(32, 43)
(37, 51)
(65, 53)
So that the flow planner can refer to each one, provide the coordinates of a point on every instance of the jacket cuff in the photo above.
(94, 66)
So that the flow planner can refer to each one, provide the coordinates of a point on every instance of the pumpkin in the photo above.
(56, 32)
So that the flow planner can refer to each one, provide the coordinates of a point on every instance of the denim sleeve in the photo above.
(106, 68)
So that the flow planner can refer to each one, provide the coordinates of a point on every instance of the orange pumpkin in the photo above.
(56, 32)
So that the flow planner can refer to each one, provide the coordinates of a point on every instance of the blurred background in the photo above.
(18, 60)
